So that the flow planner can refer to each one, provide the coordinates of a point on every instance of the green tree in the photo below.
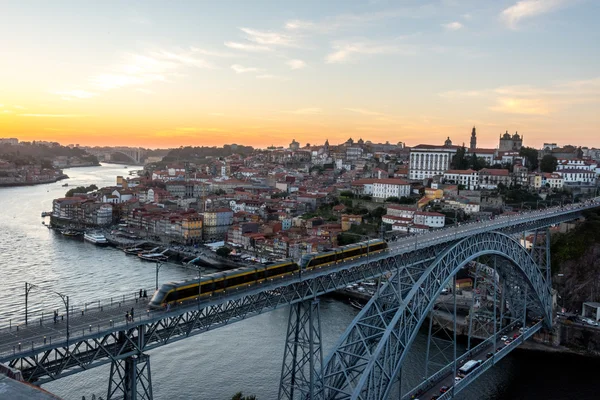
(240, 396)
(531, 155)
(459, 161)
(223, 251)
(392, 199)
(548, 163)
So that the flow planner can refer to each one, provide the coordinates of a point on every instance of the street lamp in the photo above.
(64, 298)
(158, 267)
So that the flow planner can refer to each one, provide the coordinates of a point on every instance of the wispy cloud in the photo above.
(345, 51)
(269, 38)
(272, 77)
(240, 69)
(455, 94)
(307, 111)
(524, 9)
(364, 111)
(74, 94)
(521, 106)
(296, 64)
(342, 21)
(253, 48)
(453, 26)
(54, 115)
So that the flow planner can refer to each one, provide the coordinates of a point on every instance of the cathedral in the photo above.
(510, 143)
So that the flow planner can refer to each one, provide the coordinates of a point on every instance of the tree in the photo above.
(392, 199)
(240, 396)
(459, 161)
(548, 163)
(223, 251)
(531, 155)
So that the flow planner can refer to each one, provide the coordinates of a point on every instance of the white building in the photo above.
(466, 177)
(564, 164)
(104, 214)
(384, 188)
(427, 160)
(430, 219)
(578, 177)
(554, 180)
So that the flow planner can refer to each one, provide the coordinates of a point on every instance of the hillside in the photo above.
(576, 255)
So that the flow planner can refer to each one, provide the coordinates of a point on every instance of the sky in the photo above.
(177, 73)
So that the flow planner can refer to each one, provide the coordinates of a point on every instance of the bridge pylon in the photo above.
(303, 356)
(130, 379)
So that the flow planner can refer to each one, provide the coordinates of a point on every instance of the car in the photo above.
(457, 379)
(444, 389)
(489, 355)
(508, 341)
(504, 338)
(521, 330)
(516, 335)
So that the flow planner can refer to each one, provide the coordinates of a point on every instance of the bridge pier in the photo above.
(130, 379)
(303, 356)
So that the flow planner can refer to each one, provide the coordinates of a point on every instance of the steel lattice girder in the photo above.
(370, 353)
(57, 360)
(303, 355)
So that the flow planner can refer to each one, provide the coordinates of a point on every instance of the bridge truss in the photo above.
(368, 357)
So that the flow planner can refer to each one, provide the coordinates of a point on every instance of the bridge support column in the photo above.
(130, 379)
(303, 356)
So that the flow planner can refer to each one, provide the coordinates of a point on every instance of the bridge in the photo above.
(135, 154)
(512, 298)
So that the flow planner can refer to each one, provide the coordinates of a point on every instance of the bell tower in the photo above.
(473, 145)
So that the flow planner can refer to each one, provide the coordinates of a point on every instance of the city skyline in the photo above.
(264, 73)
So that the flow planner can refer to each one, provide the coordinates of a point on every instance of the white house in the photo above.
(466, 177)
(427, 160)
(577, 177)
(384, 188)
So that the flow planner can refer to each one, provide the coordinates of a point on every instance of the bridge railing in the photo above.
(37, 315)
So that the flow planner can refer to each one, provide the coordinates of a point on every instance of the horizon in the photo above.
(153, 75)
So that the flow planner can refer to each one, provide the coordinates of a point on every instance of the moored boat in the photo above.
(95, 238)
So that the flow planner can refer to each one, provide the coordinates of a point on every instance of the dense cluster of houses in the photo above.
(269, 203)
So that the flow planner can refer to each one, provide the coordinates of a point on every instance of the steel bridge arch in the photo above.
(370, 353)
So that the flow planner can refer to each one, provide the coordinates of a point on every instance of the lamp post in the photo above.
(199, 284)
(158, 267)
(64, 298)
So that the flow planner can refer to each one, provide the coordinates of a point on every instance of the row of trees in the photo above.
(548, 162)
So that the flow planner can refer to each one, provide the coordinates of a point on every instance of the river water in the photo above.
(245, 356)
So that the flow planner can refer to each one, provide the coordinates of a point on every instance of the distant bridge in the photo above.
(368, 360)
(135, 154)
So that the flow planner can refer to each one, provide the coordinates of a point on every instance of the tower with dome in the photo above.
(510, 143)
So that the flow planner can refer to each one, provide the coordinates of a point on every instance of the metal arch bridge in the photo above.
(367, 360)
(135, 154)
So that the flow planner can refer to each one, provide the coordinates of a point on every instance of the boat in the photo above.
(152, 256)
(71, 232)
(95, 238)
(46, 213)
(65, 185)
(133, 250)
(356, 304)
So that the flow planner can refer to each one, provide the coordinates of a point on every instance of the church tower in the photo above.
(473, 145)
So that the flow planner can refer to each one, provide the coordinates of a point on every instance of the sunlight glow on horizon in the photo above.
(170, 75)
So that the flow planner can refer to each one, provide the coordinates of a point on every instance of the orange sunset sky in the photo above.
(165, 74)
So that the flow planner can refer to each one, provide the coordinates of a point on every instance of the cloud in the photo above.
(453, 26)
(521, 106)
(54, 115)
(240, 69)
(344, 51)
(296, 64)
(272, 77)
(268, 38)
(75, 94)
(342, 21)
(529, 8)
(253, 48)
(307, 111)
(456, 94)
(20, 107)
(364, 112)
(467, 16)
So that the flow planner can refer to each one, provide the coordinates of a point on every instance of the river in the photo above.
(244, 356)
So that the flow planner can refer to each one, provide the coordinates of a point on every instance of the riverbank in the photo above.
(17, 184)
